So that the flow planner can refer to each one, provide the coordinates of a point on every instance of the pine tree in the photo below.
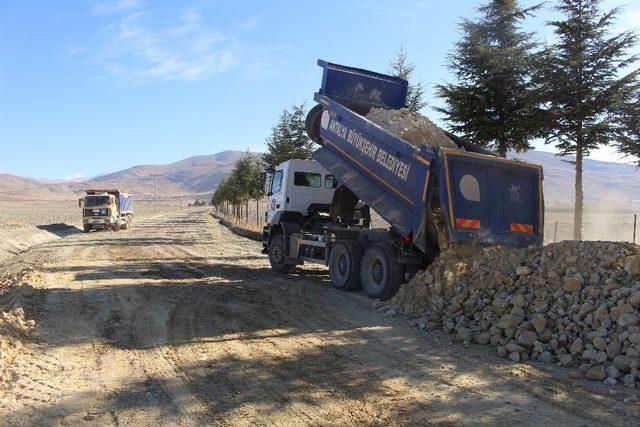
(288, 139)
(628, 141)
(587, 83)
(492, 104)
(400, 67)
(302, 145)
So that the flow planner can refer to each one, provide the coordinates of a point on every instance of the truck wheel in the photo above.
(277, 255)
(381, 273)
(312, 123)
(116, 225)
(125, 225)
(344, 265)
(87, 228)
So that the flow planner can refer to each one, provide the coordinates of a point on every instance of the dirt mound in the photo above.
(410, 126)
(14, 325)
(576, 304)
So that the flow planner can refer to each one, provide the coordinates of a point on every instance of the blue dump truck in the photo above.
(319, 210)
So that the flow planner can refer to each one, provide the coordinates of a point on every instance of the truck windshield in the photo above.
(276, 182)
(91, 201)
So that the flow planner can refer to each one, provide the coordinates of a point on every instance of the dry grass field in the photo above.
(33, 213)
(612, 224)
(24, 224)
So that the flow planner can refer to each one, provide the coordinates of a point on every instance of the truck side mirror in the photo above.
(263, 180)
(80, 202)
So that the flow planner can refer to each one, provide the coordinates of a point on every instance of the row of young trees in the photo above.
(234, 192)
(288, 140)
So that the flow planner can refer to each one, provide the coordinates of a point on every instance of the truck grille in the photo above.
(98, 212)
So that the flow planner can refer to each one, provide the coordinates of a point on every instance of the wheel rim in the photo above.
(377, 272)
(278, 254)
(343, 266)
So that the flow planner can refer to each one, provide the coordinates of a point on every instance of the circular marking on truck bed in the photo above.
(470, 188)
(324, 120)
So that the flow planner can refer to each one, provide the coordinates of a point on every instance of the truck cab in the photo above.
(299, 187)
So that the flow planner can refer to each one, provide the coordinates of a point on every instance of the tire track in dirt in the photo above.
(319, 343)
(180, 321)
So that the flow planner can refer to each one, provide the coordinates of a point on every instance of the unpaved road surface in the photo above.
(179, 321)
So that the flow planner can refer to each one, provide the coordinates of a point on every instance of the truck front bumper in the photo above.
(97, 221)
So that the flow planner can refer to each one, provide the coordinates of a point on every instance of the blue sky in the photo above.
(88, 87)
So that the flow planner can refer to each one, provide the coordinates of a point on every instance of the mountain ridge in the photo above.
(196, 175)
(604, 182)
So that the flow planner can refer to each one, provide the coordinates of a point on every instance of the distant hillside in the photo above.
(17, 188)
(197, 174)
(603, 181)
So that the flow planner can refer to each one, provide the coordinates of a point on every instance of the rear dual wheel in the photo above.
(344, 265)
(381, 274)
(376, 268)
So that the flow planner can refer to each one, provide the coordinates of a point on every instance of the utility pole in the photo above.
(155, 198)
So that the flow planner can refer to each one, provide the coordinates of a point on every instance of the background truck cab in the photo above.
(106, 209)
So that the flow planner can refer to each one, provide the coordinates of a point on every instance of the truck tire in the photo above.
(344, 265)
(277, 255)
(126, 225)
(116, 225)
(381, 273)
(312, 123)
(87, 228)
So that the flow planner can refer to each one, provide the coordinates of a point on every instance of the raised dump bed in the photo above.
(485, 199)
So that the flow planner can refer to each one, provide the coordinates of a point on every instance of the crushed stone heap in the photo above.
(410, 126)
(576, 304)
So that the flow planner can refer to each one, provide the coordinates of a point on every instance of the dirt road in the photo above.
(179, 321)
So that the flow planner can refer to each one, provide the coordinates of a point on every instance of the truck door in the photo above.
(276, 199)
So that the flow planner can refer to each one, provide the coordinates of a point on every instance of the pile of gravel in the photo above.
(576, 304)
(14, 325)
(410, 126)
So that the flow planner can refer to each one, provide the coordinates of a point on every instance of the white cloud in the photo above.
(114, 6)
(74, 177)
(138, 50)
